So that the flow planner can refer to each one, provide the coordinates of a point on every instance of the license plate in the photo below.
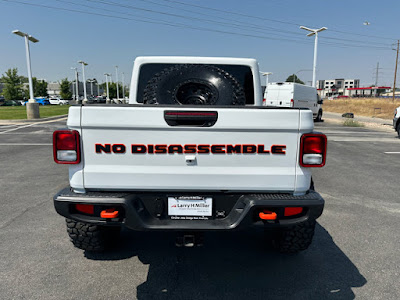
(189, 207)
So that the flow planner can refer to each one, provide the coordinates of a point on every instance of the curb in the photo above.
(23, 121)
(381, 121)
(372, 123)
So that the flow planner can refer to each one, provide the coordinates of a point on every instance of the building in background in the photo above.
(53, 89)
(336, 87)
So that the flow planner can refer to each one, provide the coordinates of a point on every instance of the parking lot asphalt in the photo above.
(355, 253)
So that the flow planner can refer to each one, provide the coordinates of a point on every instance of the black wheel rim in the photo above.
(196, 92)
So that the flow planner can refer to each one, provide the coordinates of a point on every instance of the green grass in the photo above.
(19, 112)
(352, 123)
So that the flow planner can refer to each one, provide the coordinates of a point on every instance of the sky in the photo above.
(106, 33)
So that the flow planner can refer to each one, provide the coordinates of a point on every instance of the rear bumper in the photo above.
(146, 211)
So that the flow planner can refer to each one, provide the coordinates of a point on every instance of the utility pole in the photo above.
(376, 79)
(395, 70)
(377, 74)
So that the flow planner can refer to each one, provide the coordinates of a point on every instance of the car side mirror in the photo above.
(320, 101)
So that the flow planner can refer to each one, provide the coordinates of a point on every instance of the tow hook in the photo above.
(267, 215)
(109, 213)
(189, 240)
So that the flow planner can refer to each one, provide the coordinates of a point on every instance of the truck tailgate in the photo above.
(232, 168)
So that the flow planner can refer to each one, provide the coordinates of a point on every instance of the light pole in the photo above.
(91, 85)
(98, 89)
(108, 95)
(116, 72)
(73, 90)
(84, 80)
(299, 71)
(123, 86)
(314, 32)
(32, 108)
(77, 85)
(266, 74)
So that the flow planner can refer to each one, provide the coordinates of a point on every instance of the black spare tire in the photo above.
(189, 84)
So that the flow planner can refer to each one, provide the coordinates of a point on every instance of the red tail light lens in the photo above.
(313, 150)
(292, 211)
(66, 148)
(291, 103)
(85, 208)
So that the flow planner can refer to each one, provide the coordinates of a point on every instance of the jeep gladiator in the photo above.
(194, 150)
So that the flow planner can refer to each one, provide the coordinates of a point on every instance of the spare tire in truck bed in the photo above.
(190, 84)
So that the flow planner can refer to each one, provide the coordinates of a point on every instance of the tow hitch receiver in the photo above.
(267, 215)
(109, 213)
(189, 240)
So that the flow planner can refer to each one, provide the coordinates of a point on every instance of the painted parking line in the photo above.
(33, 124)
(392, 152)
(7, 126)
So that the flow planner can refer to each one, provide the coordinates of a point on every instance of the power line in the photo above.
(180, 25)
(244, 24)
(185, 26)
(271, 20)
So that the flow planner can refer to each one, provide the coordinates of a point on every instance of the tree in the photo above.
(39, 88)
(65, 91)
(296, 79)
(112, 88)
(12, 85)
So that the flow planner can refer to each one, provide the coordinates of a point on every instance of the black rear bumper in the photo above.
(147, 211)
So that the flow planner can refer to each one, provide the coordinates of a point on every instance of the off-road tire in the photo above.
(295, 238)
(189, 84)
(91, 237)
(319, 116)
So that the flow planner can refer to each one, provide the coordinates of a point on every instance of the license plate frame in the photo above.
(190, 207)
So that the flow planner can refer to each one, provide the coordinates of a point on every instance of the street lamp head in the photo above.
(313, 31)
(32, 39)
(266, 73)
(82, 62)
(20, 33)
(306, 28)
(23, 34)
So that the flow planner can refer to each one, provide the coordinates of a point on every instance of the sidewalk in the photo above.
(376, 123)
(18, 122)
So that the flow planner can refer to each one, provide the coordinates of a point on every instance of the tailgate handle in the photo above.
(191, 118)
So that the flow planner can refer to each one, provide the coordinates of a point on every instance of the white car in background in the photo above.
(58, 101)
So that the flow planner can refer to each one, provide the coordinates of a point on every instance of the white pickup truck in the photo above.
(194, 150)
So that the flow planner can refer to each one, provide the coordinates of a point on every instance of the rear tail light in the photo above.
(313, 150)
(291, 103)
(292, 211)
(66, 148)
(85, 208)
